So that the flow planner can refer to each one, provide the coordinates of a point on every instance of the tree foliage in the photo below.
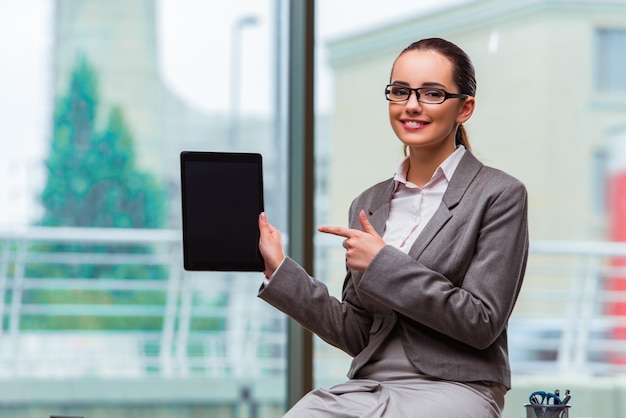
(92, 176)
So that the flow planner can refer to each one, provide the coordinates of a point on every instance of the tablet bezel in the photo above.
(209, 264)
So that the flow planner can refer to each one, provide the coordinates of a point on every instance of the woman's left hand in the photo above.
(270, 245)
(361, 246)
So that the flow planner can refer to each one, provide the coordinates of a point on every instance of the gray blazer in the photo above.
(450, 297)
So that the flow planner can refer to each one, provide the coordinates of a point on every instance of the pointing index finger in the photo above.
(337, 230)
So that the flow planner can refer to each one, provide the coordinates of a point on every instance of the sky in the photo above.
(24, 69)
(25, 106)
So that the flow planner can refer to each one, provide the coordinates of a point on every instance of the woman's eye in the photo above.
(399, 91)
(434, 94)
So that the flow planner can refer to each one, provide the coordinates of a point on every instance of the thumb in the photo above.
(366, 225)
(263, 223)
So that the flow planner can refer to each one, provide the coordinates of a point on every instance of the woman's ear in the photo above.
(466, 111)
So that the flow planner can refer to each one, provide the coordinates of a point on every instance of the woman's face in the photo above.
(428, 127)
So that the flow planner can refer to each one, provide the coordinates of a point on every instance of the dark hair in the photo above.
(463, 71)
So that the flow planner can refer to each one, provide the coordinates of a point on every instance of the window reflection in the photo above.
(99, 98)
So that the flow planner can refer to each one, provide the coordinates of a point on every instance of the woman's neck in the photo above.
(423, 163)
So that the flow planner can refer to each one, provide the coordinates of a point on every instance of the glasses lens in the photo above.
(424, 95)
(432, 96)
(398, 93)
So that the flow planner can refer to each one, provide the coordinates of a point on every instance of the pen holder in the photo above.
(547, 411)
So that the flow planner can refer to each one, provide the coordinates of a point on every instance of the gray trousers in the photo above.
(403, 398)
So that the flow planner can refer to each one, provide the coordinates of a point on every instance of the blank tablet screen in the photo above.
(222, 197)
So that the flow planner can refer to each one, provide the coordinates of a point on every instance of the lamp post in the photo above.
(237, 300)
(236, 53)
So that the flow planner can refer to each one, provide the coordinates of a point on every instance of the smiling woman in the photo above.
(435, 261)
(430, 126)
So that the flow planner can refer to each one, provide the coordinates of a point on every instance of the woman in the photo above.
(435, 255)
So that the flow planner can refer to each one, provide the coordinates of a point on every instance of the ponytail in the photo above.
(462, 137)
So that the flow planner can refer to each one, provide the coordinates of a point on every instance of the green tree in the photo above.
(93, 179)
(68, 176)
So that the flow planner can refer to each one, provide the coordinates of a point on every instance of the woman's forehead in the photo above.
(419, 67)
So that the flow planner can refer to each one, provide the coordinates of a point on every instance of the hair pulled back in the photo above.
(463, 72)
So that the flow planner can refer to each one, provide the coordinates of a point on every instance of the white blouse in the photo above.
(413, 206)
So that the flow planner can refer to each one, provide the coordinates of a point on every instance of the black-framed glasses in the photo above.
(428, 95)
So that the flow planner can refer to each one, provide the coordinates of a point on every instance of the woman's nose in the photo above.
(412, 104)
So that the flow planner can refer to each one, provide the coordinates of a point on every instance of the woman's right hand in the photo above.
(270, 245)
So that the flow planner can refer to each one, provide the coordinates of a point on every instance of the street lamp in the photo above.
(236, 53)
(237, 299)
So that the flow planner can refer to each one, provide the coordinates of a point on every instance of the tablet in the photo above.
(222, 197)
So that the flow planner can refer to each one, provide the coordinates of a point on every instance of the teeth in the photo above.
(413, 123)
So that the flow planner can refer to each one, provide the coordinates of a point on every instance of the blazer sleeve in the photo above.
(343, 324)
(465, 283)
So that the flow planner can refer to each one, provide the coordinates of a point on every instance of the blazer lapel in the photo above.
(378, 211)
(463, 176)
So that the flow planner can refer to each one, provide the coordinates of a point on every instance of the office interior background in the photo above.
(98, 98)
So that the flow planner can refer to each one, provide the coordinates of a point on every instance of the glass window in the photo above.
(98, 100)
(611, 59)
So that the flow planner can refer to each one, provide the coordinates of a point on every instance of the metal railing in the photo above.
(176, 325)
(570, 317)
(571, 314)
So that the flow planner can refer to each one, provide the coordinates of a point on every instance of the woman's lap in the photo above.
(406, 398)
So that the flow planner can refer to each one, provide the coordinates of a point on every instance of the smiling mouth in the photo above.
(413, 124)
